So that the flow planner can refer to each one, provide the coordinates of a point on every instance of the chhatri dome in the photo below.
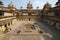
(29, 5)
(58, 3)
(11, 5)
(1, 4)
(47, 5)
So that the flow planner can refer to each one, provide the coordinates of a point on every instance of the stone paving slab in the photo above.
(23, 37)
(13, 35)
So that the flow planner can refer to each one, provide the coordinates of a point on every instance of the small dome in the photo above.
(58, 3)
(21, 7)
(37, 7)
(1, 3)
(47, 4)
(29, 4)
(11, 5)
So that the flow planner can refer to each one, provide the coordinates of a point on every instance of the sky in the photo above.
(23, 3)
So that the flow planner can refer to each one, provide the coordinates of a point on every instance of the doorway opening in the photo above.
(29, 19)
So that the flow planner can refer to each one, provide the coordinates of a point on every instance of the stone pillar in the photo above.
(0, 29)
(8, 24)
(6, 28)
(11, 23)
(3, 28)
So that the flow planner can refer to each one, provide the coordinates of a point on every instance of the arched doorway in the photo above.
(5, 25)
(29, 19)
(8, 24)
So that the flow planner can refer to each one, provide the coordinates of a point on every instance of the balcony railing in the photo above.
(5, 17)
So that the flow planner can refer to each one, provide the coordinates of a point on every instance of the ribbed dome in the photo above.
(11, 5)
(29, 5)
(58, 3)
(1, 3)
(47, 4)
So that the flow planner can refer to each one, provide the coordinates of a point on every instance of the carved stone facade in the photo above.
(6, 17)
(48, 14)
(51, 15)
(29, 14)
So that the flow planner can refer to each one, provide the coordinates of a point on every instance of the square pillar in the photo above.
(3, 28)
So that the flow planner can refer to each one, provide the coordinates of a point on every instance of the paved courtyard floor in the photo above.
(20, 32)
